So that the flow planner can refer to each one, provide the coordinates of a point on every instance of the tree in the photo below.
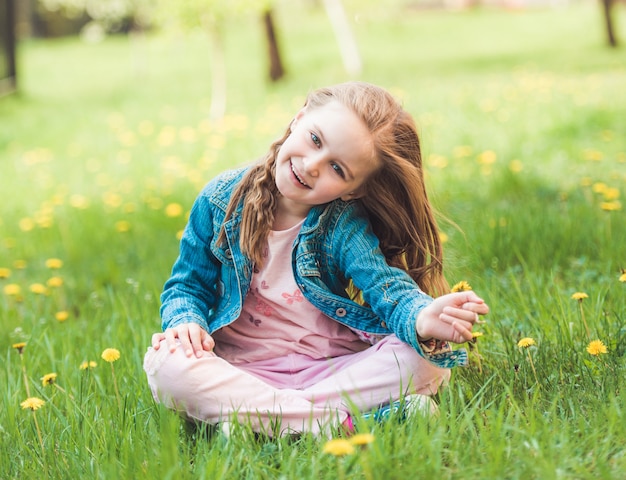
(210, 16)
(607, 7)
(276, 69)
(347, 44)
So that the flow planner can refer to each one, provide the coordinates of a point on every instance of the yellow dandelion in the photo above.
(338, 447)
(122, 226)
(19, 347)
(54, 263)
(32, 403)
(38, 288)
(5, 273)
(622, 277)
(173, 210)
(48, 379)
(26, 224)
(526, 342)
(54, 282)
(475, 335)
(596, 347)
(88, 365)
(580, 296)
(110, 355)
(62, 315)
(599, 187)
(361, 439)
(613, 206)
(462, 286)
(20, 264)
(12, 289)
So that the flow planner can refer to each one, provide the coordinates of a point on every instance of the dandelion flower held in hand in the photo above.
(110, 355)
(596, 347)
(338, 447)
(32, 403)
(462, 286)
(526, 342)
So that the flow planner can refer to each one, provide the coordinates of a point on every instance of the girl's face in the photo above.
(328, 155)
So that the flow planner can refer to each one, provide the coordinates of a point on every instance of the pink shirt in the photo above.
(276, 319)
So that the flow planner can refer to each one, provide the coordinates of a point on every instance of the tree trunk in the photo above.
(276, 65)
(345, 39)
(608, 20)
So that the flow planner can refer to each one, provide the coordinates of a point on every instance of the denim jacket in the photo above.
(209, 281)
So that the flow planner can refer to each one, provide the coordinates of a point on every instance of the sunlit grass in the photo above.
(106, 145)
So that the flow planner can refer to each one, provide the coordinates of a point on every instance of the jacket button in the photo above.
(383, 324)
(341, 312)
(228, 253)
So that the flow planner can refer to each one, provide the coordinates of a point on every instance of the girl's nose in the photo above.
(311, 165)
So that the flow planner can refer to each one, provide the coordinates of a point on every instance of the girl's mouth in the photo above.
(295, 174)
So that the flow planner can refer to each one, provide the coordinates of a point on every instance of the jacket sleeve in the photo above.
(390, 292)
(190, 293)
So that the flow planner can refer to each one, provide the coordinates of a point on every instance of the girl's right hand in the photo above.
(192, 337)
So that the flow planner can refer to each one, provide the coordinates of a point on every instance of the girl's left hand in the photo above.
(451, 317)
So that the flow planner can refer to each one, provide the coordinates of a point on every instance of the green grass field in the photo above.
(523, 123)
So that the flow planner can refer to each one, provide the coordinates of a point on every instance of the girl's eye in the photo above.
(316, 140)
(338, 169)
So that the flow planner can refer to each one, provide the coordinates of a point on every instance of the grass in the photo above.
(106, 145)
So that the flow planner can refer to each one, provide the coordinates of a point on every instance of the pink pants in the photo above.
(289, 394)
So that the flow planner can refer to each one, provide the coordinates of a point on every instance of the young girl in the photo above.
(309, 287)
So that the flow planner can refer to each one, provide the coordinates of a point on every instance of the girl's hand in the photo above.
(451, 317)
(193, 338)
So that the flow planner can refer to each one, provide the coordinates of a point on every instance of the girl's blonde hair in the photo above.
(395, 196)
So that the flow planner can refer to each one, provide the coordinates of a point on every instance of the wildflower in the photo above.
(38, 288)
(361, 439)
(475, 335)
(596, 347)
(122, 226)
(173, 210)
(5, 273)
(19, 347)
(48, 379)
(339, 447)
(12, 289)
(62, 315)
(110, 355)
(580, 296)
(54, 263)
(33, 403)
(613, 206)
(88, 365)
(622, 277)
(462, 286)
(526, 342)
(54, 282)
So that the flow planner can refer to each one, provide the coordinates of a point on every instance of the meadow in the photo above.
(104, 147)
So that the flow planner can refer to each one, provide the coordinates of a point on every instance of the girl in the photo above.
(304, 290)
